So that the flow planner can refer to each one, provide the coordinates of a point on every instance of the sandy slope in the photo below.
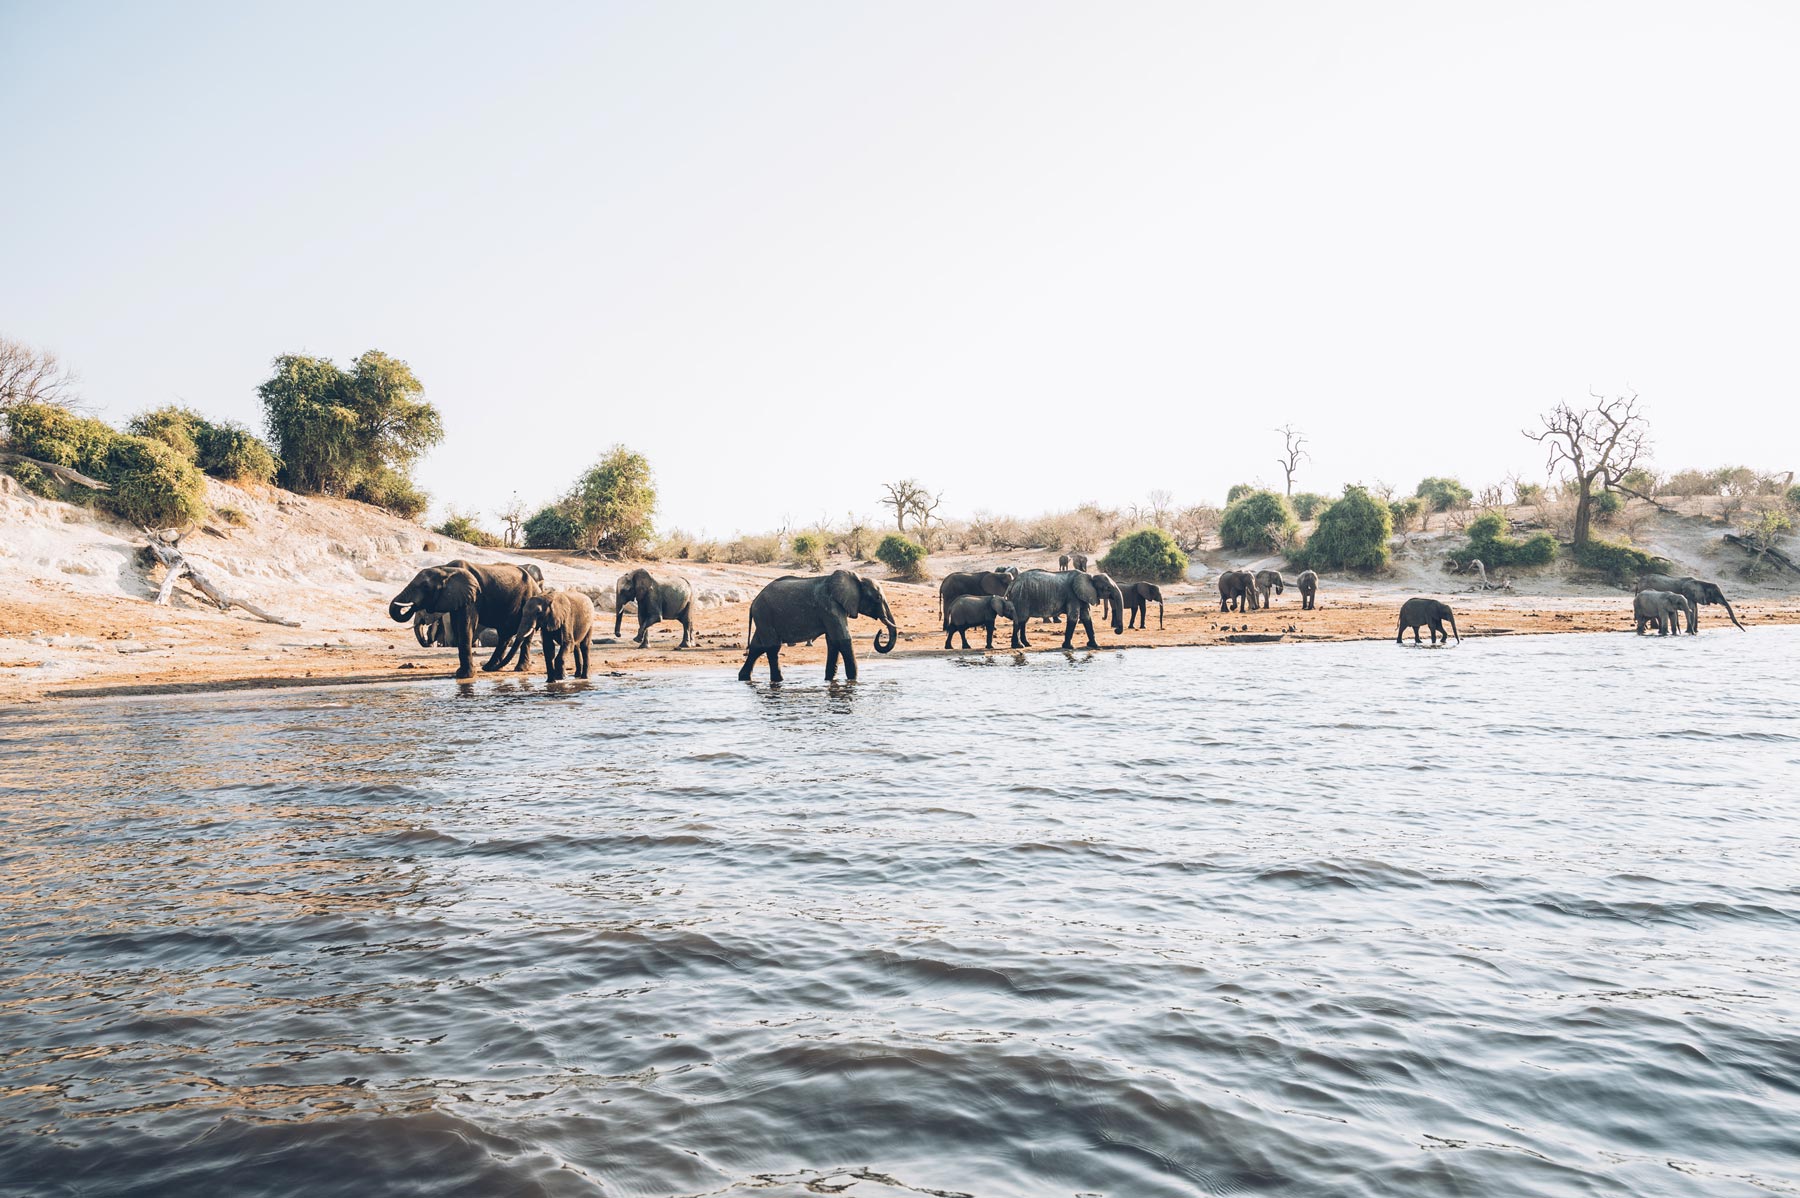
(76, 617)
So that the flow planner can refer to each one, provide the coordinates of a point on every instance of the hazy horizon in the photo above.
(1029, 255)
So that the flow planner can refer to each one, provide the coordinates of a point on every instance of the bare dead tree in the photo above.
(1597, 444)
(925, 506)
(512, 516)
(1158, 504)
(165, 547)
(1291, 454)
(31, 376)
(901, 496)
(65, 473)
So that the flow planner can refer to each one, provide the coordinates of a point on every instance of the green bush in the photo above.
(152, 484)
(464, 529)
(1488, 540)
(1260, 520)
(1531, 493)
(549, 529)
(1308, 504)
(1149, 554)
(1606, 504)
(234, 453)
(1793, 497)
(809, 550)
(759, 550)
(1405, 511)
(900, 555)
(175, 426)
(33, 479)
(1620, 563)
(392, 492)
(1238, 492)
(1442, 494)
(56, 435)
(1351, 535)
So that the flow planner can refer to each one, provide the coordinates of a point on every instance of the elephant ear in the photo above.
(461, 589)
(1085, 590)
(845, 590)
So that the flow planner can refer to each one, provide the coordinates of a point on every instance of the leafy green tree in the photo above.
(1405, 511)
(550, 528)
(809, 550)
(173, 425)
(335, 429)
(1352, 534)
(902, 555)
(234, 453)
(1490, 542)
(1442, 494)
(1308, 504)
(1258, 520)
(1149, 554)
(613, 503)
(152, 484)
(1237, 492)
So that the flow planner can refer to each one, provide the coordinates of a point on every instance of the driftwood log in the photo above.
(1773, 554)
(166, 548)
(55, 471)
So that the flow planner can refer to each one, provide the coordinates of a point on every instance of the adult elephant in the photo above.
(1266, 581)
(656, 602)
(971, 582)
(1237, 591)
(473, 597)
(1069, 593)
(1663, 609)
(1112, 600)
(432, 629)
(1138, 598)
(1698, 590)
(1309, 590)
(794, 609)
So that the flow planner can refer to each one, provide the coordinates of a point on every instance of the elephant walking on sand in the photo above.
(1266, 581)
(1072, 561)
(474, 597)
(794, 609)
(1309, 590)
(1698, 591)
(1237, 591)
(1068, 592)
(1415, 613)
(971, 582)
(1138, 598)
(564, 621)
(975, 611)
(1663, 609)
(656, 602)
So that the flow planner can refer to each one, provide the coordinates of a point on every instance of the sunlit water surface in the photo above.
(1516, 917)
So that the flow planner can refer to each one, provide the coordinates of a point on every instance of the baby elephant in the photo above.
(1661, 608)
(1429, 612)
(975, 611)
(565, 621)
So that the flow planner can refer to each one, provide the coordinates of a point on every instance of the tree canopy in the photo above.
(348, 432)
(613, 502)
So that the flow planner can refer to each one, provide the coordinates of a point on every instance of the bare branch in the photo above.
(51, 468)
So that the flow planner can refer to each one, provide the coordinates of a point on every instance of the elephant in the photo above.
(794, 609)
(1237, 591)
(1070, 592)
(1112, 600)
(564, 620)
(975, 611)
(656, 602)
(1138, 597)
(1267, 580)
(474, 597)
(1072, 561)
(432, 628)
(1663, 609)
(1417, 612)
(1698, 590)
(1309, 590)
(979, 582)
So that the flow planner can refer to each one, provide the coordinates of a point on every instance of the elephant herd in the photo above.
(454, 603)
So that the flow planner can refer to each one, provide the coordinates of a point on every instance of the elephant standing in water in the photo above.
(1068, 592)
(1237, 591)
(474, 597)
(565, 622)
(432, 628)
(1138, 598)
(656, 602)
(1415, 613)
(1663, 609)
(1309, 590)
(1698, 592)
(793, 609)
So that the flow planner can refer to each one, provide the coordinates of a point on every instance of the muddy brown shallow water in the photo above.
(1512, 918)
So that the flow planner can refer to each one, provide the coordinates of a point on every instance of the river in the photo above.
(1516, 917)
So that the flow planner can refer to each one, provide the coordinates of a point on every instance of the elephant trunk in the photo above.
(890, 627)
(400, 612)
(1732, 614)
(618, 614)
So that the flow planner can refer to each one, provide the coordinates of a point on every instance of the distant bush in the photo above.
(858, 541)
(1149, 554)
(809, 550)
(1352, 534)
(1488, 541)
(152, 484)
(463, 528)
(1606, 504)
(1192, 526)
(175, 426)
(753, 550)
(1260, 520)
(1620, 563)
(1307, 504)
(1405, 511)
(1529, 493)
(549, 529)
(1792, 498)
(1238, 491)
(1688, 484)
(1442, 494)
(56, 435)
(234, 453)
(391, 492)
(900, 555)
(233, 517)
(33, 479)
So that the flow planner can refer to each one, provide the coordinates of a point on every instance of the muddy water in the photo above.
(1518, 917)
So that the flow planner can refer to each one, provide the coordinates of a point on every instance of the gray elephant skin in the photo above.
(564, 622)
(1138, 598)
(474, 597)
(1309, 590)
(1112, 600)
(668, 599)
(1698, 590)
(1417, 613)
(794, 609)
(971, 582)
(1069, 593)
(975, 611)
(1664, 609)
(1237, 591)
(1266, 581)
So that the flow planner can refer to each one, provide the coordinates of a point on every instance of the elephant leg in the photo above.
(463, 629)
(548, 648)
(749, 663)
(949, 640)
(1087, 624)
(990, 632)
(687, 630)
(849, 662)
(775, 663)
(581, 659)
(831, 660)
(965, 637)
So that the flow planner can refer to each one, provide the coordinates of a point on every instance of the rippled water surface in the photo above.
(1513, 918)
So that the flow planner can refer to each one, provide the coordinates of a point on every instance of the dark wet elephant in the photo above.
(1069, 593)
(670, 599)
(1237, 591)
(1138, 598)
(474, 597)
(1112, 600)
(794, 609)
(1418, 613)
(564, 620)
(1699, 593)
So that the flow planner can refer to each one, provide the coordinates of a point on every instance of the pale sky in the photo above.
(1029, 253)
